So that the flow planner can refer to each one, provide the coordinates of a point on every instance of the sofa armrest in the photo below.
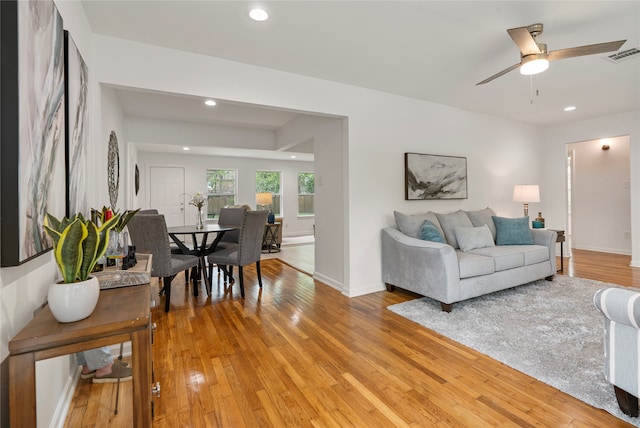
(548, 239)
(619, 305)
(544, 237)
(424, 267)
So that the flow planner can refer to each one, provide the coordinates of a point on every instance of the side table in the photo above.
(121, 315)
(270, 238)
(560, 239)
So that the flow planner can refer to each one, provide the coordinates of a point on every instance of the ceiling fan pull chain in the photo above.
(531, 89)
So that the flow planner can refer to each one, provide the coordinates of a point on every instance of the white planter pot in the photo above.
(75, 301)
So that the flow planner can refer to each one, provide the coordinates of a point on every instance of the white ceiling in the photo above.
(431, 50)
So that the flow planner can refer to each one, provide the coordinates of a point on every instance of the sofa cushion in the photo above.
(450, 221)
(534, 254)
(485, 216)
(504, 257)
(430, 232)
(470, 238)
(474, 265)
(513, 231)
(410, 224)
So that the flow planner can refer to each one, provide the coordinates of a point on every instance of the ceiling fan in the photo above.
(534, 57)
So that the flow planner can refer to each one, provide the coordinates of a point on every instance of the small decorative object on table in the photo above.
(77, 245)
(197, 200)
(538, 223)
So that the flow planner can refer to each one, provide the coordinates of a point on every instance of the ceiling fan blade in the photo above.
(526, 43)
(585, 50)
(495, 76)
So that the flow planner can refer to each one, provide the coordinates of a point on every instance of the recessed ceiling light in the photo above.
(186, 149)
(210, 103)
(259, 15)
(570, 108)
(293, 157)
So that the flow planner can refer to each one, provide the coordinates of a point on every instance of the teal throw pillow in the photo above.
(513, 231)
(430, 232)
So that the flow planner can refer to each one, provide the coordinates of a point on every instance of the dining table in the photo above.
(200, 248)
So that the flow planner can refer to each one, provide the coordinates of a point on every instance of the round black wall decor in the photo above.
(137, 180)
(113, 169)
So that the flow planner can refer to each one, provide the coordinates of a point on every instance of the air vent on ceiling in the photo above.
(623, 55)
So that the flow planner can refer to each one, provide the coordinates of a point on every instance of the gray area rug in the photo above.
(548, 330)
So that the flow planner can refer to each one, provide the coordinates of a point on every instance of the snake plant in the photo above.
(123, 218)
(78, 243)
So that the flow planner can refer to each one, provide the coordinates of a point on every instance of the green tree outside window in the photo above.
(269, 182)
(306, 193)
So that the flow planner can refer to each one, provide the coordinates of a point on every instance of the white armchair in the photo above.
(621, 310)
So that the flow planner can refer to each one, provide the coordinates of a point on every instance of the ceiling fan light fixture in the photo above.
(534, 64)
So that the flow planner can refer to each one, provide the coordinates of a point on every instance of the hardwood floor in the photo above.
(299, 353)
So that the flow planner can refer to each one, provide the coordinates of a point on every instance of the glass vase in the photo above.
(200, 218)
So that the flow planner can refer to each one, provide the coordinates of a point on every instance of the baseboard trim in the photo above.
(329, 281)
(64, 404)
(367, 290)
(603, 250)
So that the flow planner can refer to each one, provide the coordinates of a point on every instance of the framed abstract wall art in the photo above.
(77, 113)
(434, 177)
(33, 126)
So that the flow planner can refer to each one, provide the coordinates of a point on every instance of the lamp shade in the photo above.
(526, 193)
(264, 198)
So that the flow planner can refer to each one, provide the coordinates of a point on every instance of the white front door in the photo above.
(166, 193)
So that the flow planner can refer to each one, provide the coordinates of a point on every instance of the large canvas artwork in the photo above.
(77, 86)
(33, 126)
(435, 177)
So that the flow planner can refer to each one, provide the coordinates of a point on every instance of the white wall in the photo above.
(112, 119)
(24, 288)
(553, 168)
(196, 166)
(600, 203)
(381, 127)
(144, 130)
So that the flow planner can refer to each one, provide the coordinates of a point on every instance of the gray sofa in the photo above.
(472, 261)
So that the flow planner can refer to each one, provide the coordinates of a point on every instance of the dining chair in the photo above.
(248, 249)
(148, 233)
(229, 217)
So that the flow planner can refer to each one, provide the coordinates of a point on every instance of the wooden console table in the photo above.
(121, 315)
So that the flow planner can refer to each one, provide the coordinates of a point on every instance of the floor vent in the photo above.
(623, 55)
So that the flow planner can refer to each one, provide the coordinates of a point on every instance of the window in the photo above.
(306, 193)
(269, 182)
(221, 190)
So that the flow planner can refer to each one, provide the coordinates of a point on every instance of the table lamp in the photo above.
(265, 199)
(526, 193)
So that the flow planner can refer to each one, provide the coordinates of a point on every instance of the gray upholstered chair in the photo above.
(148, 233)
(230, 217)
(174, 247)
(621, 310)
(248, 249)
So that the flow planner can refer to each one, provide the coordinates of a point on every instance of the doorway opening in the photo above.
(598, 196)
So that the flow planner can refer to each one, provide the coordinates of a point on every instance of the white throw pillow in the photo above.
(471, 238)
